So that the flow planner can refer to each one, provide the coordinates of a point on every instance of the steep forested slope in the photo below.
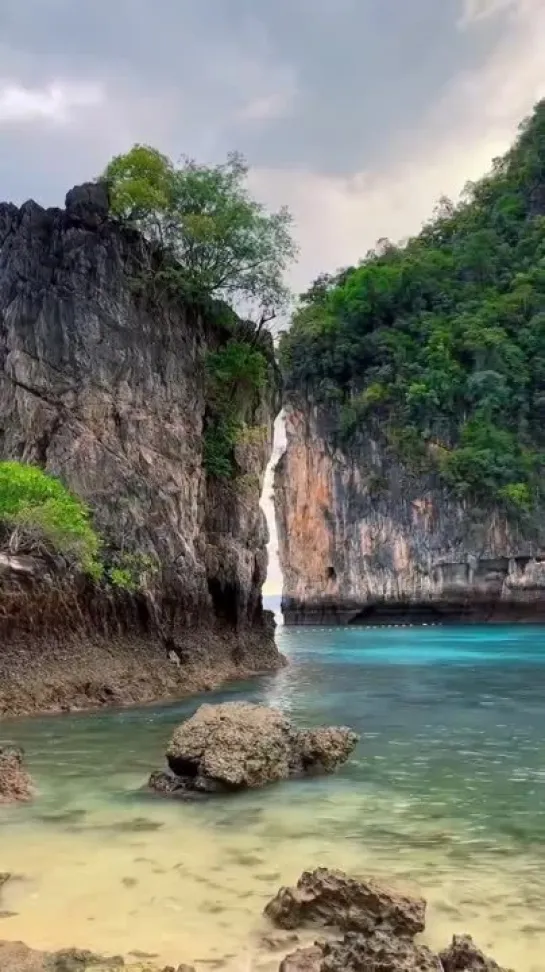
(438, 345)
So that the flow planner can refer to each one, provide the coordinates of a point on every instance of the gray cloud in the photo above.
(357, 113)
(293, 83)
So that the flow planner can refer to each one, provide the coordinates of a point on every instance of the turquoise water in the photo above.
(446, 792)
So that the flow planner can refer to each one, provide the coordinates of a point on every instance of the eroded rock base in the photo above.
(94, 671)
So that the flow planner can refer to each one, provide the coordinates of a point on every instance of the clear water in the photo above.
(446, 792)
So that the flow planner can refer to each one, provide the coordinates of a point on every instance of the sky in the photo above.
(357, 114)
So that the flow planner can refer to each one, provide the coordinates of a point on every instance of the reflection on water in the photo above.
(446, 791)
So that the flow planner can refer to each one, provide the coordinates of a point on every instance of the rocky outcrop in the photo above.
(16, 957)
(380, 952)
(239, 745)
(462, 955)
(102, 383)
(333, 899)
(380, 926)
(365, 540)
(15, 783)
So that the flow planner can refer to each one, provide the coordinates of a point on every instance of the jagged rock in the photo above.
(380, 952)
(240, 745)
(17, 957)
(105, 388)
(88, 203)
(325, 748)
(331, 898)
(303, 960)
(462, 955)
(15, 783)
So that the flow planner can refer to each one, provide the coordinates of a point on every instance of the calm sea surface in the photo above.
(446, 793)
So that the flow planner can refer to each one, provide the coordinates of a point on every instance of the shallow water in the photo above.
(446, 792)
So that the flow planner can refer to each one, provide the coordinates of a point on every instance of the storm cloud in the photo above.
(358, 114)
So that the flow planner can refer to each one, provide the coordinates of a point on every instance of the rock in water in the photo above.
(462, 955)
(379, 952)
(380, 925)
(15, 783)
(332, 898)
(239, 745)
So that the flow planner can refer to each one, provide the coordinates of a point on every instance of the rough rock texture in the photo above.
(462, 955)
(307, 959)
(239, 745)
(363, 540)
(15, 783)
(333, 899)
(17, 957)
(381, 926)
(380, 952)
(106, 388)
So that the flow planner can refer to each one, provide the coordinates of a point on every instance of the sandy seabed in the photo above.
(182, 884)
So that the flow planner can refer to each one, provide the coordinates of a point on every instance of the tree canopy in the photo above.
(438, 346)
(223, 242)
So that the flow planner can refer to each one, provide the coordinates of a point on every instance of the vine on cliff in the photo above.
(438, 345)
(236, 374)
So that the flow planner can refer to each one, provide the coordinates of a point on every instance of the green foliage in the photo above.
(223, 243)
(42, 514)
(132, 572)
(236, 373)
(439, 345)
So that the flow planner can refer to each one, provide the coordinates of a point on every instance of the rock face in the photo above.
(363, 540)
(333, 899)
(380, 927)
(15, 783)
(238, 745)
(105, 387)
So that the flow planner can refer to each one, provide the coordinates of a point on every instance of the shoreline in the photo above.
(96, 672)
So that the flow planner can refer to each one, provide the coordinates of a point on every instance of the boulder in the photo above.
(15, 783)
(325, 748)
(88, 204)
(239, 745)
(17, 957)
(462, 955)
(303, 960)
(333, 899)
(380, 952)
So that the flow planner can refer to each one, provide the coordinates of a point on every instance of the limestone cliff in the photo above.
(364, 540)
(106, 389)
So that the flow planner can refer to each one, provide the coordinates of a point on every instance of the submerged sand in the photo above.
(172, 882)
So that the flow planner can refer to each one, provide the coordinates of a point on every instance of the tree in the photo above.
(222, 242)
(437, 346)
